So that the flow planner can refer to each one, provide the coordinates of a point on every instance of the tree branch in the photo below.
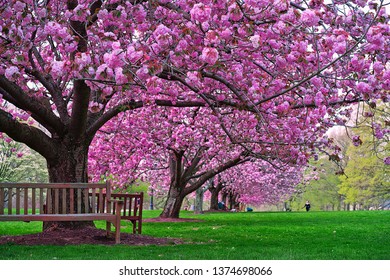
(333, 103)
(211, 173)
(79, 119)
(194, 164)
(33, 137)
(43, 114)
(132, 105)
(319, 71)
(225, 82)
(113, 112)
(49, 83)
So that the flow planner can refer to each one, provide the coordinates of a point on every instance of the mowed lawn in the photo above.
(359, 235)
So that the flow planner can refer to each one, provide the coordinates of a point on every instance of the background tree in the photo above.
(10, 151)
(175, 150)
(358, 177)
(259, 183)
(216, 186)
(19, 164)
(366, 181)
(320, 186)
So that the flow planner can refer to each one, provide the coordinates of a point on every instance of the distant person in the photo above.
(307, 206)
(222, 206)
(248, 209)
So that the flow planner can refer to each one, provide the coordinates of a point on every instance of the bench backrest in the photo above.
(54, 198)
(132, 203)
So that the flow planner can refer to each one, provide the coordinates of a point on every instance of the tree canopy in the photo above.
(286, 71)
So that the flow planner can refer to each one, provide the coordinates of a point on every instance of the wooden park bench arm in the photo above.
(132, 208)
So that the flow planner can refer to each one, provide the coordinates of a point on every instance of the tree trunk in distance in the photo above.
(199, 200)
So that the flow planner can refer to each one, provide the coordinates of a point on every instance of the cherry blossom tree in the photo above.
(69, 67)
(175, 150)
(178, 152)
(216, 186)
(258, 183)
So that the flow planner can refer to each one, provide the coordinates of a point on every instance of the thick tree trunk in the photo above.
(224, 197)
(233, 204)
(199, 200)
(215, 190)
(181, 186)
(214, 199)
(176, 189)
(173, 203)
(69, 167)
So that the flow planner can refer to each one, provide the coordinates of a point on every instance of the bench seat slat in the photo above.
(41, 203)
(86, 201)
(71, 202)
(79, 201)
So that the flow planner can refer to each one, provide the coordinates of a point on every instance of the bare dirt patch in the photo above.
(89, 235)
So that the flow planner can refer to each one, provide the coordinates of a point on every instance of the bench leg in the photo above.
(118, 212)
(118, 230)
(139, 227)
(108, 228)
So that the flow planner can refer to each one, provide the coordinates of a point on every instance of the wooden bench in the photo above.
(132, 208)
(55, 202)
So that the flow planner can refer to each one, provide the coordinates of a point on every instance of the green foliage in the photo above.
(344, 235)
(20, 164)
(8, 159)
(366, 180)
(135, 188)
(322, 192)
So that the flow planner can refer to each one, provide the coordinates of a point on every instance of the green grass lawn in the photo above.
(360, 235)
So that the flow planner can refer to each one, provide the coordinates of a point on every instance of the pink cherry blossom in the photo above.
(11, 71)
(310, 18)
(95, 107)
(255, 39)
(235, 12)
(162, 36)
(120, 78)
(200, 12)
(57, 69)
(209, 55)
(363, 87)
(356, 140)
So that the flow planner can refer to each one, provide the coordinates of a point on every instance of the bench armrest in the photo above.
(118, 205)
